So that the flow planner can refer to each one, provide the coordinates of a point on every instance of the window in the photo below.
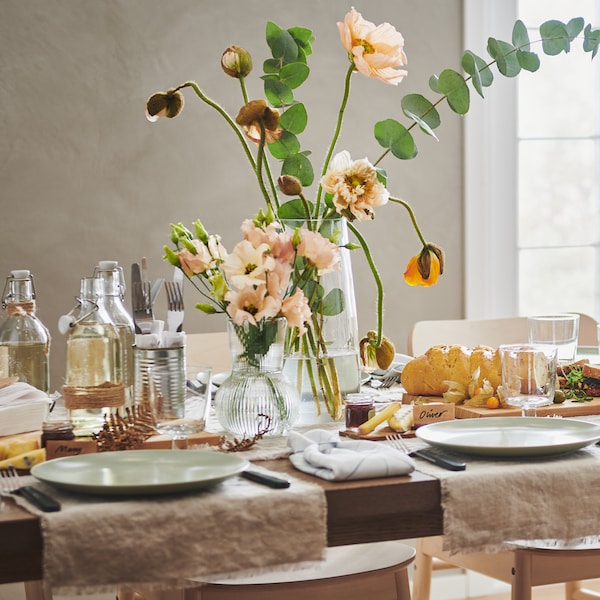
(532, 151)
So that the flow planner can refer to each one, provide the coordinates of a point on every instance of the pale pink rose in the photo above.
(376, 50)
(296, 310)
(354, 185)
(319, 251)
(247, 265)
(251, 304)
(193, 264)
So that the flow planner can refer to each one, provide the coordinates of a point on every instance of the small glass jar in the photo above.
(360, 408)
(57, 430)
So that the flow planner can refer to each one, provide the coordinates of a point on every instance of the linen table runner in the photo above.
(94, 542)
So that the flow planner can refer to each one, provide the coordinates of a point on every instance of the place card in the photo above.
(432, 412)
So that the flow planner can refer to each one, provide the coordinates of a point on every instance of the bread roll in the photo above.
(426, 375)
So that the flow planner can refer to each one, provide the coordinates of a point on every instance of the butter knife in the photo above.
(437, 459)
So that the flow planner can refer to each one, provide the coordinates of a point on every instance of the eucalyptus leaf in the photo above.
(277, 93)
(591, 40)
(333, 303)
(555, 38)
(575, 27)
(294, 74)
(271, 66)
(478, 69)
(393, 136)
(282, 44)
(285, 146)
(299, 166)
(529, 61)
(294, 209)
(303, 37)
(294, 118)
(454, 86)
(433, 84)
(506, 57)
(520, 36)
(418, 108)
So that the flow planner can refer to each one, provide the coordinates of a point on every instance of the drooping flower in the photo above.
(319, 251)
(355, 188)
(377, 51)
(426, 267)
(255, 114)
(297, 311)
(252, 304)
(247, 265)
(164, 104)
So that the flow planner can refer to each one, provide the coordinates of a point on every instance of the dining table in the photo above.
(496, 501)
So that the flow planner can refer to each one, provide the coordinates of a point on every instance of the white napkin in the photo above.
(22, 408)
(321, 453)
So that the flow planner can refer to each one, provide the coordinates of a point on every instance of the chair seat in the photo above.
(339, 561)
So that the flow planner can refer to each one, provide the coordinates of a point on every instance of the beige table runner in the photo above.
(94, 542)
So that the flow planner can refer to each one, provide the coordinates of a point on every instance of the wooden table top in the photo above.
(358, 512)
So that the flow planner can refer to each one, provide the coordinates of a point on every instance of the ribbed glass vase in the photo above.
(256, 398)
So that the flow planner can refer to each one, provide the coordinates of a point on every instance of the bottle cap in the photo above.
(107, 265)
(20, 274)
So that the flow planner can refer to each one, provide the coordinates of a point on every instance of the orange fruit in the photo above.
(492, 402)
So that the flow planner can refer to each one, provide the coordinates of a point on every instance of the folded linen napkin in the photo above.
(22, 408)
(321, 453)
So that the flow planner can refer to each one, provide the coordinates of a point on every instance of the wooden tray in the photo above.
(376, 436)
(567, 409)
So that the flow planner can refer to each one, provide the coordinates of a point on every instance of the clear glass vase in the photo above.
(256, 398)
(324, 363)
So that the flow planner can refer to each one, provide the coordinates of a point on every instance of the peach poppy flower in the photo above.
(251, 304)
(319, 251)
(255, 113)
(193, 264)
(247, 265)
(355, 188)
(296, 310)
(376, 50)
(426, 267)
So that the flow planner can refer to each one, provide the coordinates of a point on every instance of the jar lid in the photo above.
(360, 398)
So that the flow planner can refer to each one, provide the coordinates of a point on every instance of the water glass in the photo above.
(177, 415)
(560, 330)
(528, 375)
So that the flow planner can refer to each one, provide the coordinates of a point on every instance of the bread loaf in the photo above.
(429, 374)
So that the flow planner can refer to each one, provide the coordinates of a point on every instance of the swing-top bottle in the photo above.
(24, 339)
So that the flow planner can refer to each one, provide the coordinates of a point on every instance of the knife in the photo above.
(270, 480)
(39, 499)
(437, 459)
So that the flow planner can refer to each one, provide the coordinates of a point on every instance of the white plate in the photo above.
(397, 364)
(510, 436)
(139, 471)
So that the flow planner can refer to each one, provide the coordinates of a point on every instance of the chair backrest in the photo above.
(208, 349)
(489, 332)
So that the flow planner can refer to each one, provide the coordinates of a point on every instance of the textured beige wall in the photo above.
(84, 177)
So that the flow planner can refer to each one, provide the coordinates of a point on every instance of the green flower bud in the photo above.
(171, 257)
(201, 233)
(236, 62)
(208, 309)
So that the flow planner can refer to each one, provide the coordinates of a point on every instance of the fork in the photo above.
(385, 382)
(10, 483)
(142, 306)
(396, 441)
(174, 305)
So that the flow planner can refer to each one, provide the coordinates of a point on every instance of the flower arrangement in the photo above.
(346, 187)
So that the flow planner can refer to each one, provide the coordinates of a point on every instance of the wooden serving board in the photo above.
(376, 436)
(566, 409)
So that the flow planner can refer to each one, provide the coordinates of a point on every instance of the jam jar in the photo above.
(57, 430)
(360, 408)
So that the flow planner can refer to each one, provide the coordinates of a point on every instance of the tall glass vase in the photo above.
(256, 398)
(324, 362)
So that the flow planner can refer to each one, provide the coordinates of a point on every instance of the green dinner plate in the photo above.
(511, 436)
(139, 472)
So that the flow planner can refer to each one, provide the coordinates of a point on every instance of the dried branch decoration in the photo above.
(127, 432)
(246, 443)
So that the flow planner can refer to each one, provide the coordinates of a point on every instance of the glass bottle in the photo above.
(93, 386)
(114, 294)
(24, 339)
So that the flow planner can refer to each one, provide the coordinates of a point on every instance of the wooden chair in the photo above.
(525, 567)
(378, 570)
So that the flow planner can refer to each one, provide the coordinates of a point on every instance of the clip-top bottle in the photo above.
(24, 339)
(114, 294)
(93, 386)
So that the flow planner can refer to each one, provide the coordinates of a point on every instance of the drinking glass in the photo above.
(180, 401)
(560, 330)
(528, 375)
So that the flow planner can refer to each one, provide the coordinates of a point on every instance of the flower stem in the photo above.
(377, 278)
(336, 134)
(412, 217)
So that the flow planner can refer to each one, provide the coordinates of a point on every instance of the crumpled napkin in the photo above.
(321, 453)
